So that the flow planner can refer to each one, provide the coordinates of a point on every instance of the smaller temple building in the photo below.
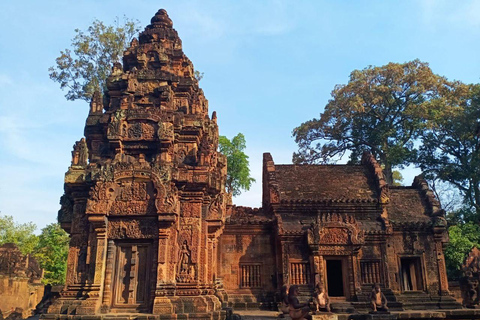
(341, 226)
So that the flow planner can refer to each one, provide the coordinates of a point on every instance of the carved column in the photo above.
(72, 259)
(285, 267)
(107, 291)
(210, 260)
(99, 223)
(162, 256)
(442, 271)
(356, 274)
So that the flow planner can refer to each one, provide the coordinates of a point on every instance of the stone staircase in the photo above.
(363, 300)
(419, 300)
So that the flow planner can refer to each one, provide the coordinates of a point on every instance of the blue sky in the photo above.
(269, 66)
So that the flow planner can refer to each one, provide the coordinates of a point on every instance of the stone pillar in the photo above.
(442, 270)
(285, 269)
(107, 290)
(356, 274)
(92, 304)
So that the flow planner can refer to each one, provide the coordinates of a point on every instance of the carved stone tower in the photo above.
(144, 200)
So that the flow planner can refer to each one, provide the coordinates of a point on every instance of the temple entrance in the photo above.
(411, 274)
(335, 277)
(131, 279)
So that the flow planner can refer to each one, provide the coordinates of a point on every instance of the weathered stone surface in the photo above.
(20, 282)
(153, 231)
(341, 226)
(144, 198)
(469, 283)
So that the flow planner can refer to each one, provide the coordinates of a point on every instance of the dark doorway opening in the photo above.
(335, 278)
(411, 274)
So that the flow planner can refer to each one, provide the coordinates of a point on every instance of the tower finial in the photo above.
(161, 18)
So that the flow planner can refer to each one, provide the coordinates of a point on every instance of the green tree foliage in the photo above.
(397, 178)
(450, 150)
(83, 69)
(22, 234)
(381, 110)
(238, 172)
(51, 252)
(463, 237)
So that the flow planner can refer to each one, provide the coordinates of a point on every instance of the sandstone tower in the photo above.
(144, 200)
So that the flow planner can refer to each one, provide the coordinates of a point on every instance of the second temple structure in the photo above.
(153, 231)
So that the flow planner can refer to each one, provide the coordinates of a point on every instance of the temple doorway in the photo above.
(131, 279)
(411, 274)
(335, 277)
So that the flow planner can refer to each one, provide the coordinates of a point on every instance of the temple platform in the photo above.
(457, 314)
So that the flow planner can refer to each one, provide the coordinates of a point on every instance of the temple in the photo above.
(144, 200)
(341, 226)
(153, 230)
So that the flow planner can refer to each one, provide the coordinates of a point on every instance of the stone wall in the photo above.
(20, 281)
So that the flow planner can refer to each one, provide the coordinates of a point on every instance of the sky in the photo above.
(268, 66)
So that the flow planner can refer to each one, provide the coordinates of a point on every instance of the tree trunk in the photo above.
(388, 172)
(387, 168)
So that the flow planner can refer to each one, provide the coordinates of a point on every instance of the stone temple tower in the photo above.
(144, 200)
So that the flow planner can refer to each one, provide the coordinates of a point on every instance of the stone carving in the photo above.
(14, 263)
(80, 153)
(115, 127)
(145, 187)
(186, 269)
(132, 229)
(335, 229)
(470, 279)
(96, 105)
(65, 214)
(165, 131)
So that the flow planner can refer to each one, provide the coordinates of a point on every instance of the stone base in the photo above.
(325, 316)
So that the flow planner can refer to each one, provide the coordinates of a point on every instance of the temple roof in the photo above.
(407, 205)
(317, 182)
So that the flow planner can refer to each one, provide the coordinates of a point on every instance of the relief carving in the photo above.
(115, 125)
(335, 229)
(186, 268)
(80, 153)
(65, 214)
(133, 229)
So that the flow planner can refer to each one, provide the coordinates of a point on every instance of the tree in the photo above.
(238, 172)
(51, 252)
(22, 234)
(463, 237)
(85, 70)
(450, 149)
(381, 110)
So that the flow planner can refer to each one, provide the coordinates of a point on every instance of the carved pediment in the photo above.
(335, 229)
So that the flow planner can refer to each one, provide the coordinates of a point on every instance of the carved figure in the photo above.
(185, 259)
(378, 300)
(469, 283)
(297, 310)
(186, 269)
(80, 153)
(321, 299)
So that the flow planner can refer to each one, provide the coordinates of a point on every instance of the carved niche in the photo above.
(186, 268)
(335, 229)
